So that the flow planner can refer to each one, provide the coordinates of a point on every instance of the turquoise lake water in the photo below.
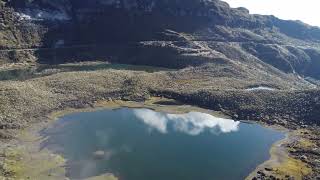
(141, 144)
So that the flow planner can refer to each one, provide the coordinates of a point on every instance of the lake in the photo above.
(141, 144)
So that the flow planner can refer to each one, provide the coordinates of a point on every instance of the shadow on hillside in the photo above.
(116, 37)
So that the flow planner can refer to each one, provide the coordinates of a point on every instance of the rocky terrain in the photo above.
(250, 67)
(30, 101)
(163, 33)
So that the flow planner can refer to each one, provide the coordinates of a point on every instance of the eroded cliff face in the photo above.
(170, 33)
(216, 11)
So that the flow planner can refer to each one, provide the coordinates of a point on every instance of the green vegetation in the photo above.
(292, 167)
(21, 163)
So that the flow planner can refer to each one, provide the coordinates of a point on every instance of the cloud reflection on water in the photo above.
(193, 123)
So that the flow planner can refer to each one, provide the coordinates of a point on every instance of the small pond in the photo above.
(45, 70)
(141, 144)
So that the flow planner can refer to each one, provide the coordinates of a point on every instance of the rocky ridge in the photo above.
(162, 33)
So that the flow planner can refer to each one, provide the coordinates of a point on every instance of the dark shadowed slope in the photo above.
(162, 33)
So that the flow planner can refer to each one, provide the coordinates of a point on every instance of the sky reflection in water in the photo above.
(192, 123)
(141, 144)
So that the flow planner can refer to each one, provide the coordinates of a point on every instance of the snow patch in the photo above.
(261, 88)
(23, 17)
(42, 15)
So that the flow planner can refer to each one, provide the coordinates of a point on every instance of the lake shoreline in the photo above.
(276, 151)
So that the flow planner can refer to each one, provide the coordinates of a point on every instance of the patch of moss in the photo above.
(103, 177)
(19, 163)
(292, 167)
(306, 143)
(11, 166)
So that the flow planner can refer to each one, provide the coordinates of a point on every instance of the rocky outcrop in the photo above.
(215, 11)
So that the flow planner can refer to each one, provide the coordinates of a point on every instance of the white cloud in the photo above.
(306, 10)
(192, 123)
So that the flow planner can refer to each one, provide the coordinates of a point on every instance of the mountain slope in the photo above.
(163, 33)
(251, 67)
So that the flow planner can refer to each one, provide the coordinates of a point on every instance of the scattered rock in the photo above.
(268, 169)
(99, 154)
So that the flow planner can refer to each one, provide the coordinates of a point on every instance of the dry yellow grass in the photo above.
(293, 167)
